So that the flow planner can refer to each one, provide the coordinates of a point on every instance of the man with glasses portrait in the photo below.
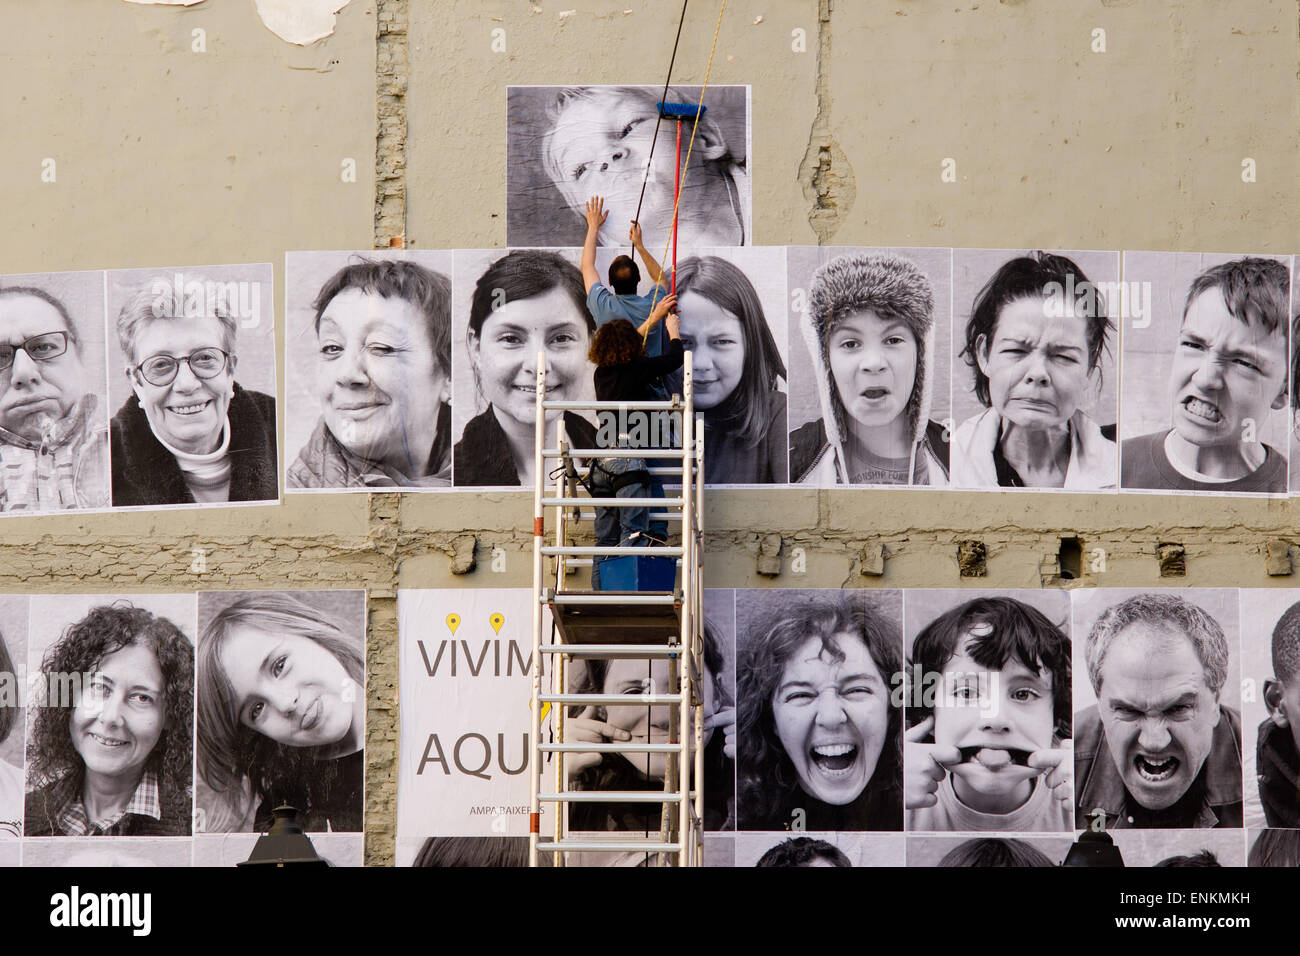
(53, 444)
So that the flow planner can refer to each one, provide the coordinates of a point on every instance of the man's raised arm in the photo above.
(595, 219)
(651, 263)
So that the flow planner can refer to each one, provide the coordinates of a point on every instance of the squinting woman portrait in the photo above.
(367, 399)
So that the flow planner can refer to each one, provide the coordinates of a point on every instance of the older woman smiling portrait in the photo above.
(189, 433)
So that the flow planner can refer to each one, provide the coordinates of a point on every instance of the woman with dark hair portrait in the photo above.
(1034, 344)
(189, 432)
(821, 738)
(383, 375)
(1275, 847)
(805, 852)
(528, 301)
(737, 373)
(281, 714)
(1295, 378)
(116, 759)
(640, 724)
(624, 373)
(492, 852)
(11, 777)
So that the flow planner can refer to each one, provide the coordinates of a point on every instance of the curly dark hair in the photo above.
(617, 342)
(51, 756)
(767, 784)
(803, 851)
(231, 752)
(990, 851)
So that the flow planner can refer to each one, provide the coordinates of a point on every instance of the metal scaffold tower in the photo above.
(616, 626)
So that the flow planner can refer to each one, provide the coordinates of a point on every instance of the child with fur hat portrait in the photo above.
(869, 328)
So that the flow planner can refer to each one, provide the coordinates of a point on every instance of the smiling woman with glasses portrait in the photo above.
(189, 433)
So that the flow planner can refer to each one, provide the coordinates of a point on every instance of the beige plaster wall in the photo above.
(166, 156)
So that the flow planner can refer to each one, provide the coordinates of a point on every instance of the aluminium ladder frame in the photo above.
(686, 658)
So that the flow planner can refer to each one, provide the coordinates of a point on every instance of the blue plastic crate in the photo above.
(633, 573)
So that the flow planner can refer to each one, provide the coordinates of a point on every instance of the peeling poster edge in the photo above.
(300, 21)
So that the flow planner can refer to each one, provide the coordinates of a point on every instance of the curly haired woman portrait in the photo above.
(110, 751)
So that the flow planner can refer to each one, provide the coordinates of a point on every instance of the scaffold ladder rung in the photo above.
(650, 551)
(636, 651)
(584, 846)
(653, 641)
(606, 748)
(616, 453)
(612, 700)
(611, 796)
(609, 502)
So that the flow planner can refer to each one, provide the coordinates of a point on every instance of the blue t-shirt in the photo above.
(605, 305)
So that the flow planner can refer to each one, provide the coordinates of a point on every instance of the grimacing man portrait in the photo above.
(1160, 749)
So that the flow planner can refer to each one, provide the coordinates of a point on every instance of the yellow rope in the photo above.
(686, 167)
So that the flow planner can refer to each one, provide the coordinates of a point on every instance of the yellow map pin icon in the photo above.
(497, 620)
(453, 622)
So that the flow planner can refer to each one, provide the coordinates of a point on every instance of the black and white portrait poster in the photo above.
(988, 708)
(819, 725)
(1295, 375)
(54, 447)
(1206, 360)
(1157, 697)
(734, 322)
(192, 385)
(281, 709)
(110, 743)
(368, 370)
(819, 849)
(869, 365)
(1032, 850)
(464, 660)
(1270, 705)
(1273, 848)
(1181, 848)
(1035, 356)
(565, 144)
(14, 694)
(509, 306)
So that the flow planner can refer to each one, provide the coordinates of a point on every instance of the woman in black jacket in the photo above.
(188, 433)
(625, 374)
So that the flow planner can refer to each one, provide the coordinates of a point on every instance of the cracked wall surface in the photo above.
(168, 156)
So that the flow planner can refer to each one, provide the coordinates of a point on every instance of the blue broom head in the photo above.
(680, 111)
